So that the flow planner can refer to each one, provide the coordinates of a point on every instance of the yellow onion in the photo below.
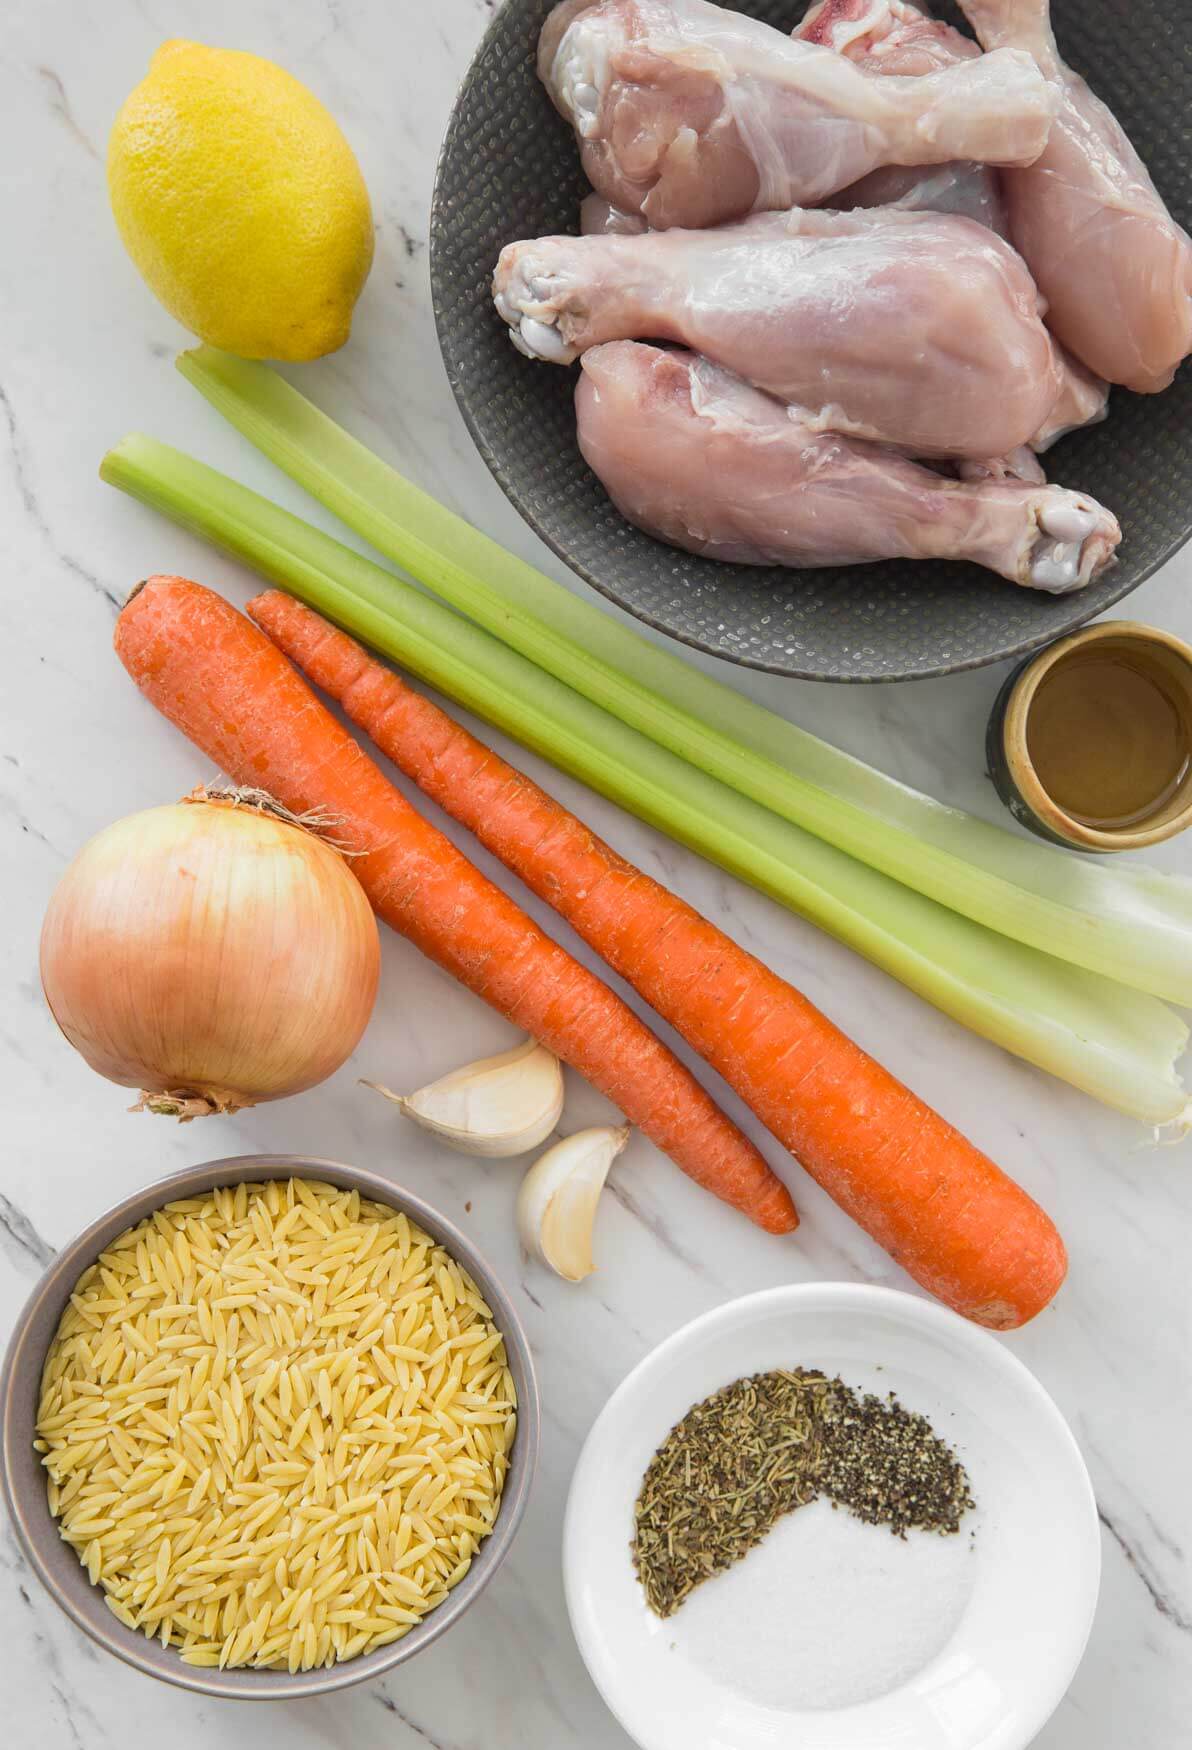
(211, 954)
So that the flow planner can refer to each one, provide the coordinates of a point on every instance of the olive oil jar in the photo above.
(1090, 741)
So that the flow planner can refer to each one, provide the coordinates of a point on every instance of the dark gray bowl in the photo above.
(22, 1479)
(509, 169)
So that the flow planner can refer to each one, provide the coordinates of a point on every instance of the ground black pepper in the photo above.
(888, 1465)
(766, 1445)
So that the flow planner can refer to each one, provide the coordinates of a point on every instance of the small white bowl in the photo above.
(970, 1640)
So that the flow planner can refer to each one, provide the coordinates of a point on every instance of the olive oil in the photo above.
(1108, 737)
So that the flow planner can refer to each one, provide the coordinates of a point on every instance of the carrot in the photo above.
(220, 680)
(941, 1207)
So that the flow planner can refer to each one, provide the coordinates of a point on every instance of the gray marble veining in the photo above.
(85, 356)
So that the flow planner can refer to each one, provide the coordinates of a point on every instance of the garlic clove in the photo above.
(556, 1206)
(499, 1106)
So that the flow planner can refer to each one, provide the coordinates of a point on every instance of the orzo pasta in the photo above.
(276, 1421)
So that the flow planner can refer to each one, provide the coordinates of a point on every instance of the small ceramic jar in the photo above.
(1090, 740)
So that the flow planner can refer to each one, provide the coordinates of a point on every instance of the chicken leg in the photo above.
(894, 38)
(915, 329)
(693, 455)
(691, 114)
(885, 37)
(1114, 266)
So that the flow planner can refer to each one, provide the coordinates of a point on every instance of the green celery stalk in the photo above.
(1117, 1044)
(1129, 922)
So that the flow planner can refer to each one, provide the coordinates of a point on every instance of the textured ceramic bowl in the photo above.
(1003, 1650)
(23, 1479)
(509, 169)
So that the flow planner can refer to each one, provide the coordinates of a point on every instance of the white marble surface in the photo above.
(85, 357)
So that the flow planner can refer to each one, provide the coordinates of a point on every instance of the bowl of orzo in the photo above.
(269, 1427)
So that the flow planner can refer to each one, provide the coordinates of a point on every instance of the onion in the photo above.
(211, 954)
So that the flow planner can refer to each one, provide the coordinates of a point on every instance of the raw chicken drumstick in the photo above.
(1113, 265)
(915, 329)
(881, 37)
(691, 114)
(693, 455)
(885, 37)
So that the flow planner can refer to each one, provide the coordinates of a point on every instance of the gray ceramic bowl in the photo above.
(23, 1479)
(509, 169)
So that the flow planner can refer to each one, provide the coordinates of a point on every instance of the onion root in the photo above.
(183, 1104)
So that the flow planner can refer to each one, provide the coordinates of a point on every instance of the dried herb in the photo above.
(763, 1446)
(733, 1466)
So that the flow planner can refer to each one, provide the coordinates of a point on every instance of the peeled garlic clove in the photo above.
(556, 1206)
(499, 1106)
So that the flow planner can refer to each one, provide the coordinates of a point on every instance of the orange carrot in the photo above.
(951, 1218)
(211, 672)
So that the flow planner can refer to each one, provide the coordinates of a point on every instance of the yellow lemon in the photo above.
(241, 203)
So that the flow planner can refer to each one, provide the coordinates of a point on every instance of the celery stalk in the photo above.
(1128, 922)
(1117, 1044)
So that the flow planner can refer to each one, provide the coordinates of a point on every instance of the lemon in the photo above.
(241, 203)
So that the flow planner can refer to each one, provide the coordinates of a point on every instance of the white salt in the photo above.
(826, 1611)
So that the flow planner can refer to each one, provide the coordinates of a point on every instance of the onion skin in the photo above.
(211, 955)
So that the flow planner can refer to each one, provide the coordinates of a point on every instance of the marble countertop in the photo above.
(86, 356)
